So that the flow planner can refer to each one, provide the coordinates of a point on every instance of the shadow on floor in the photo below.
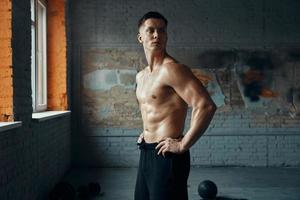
(229, 198)
(234, 183)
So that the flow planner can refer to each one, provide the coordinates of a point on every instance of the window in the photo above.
(39, 55)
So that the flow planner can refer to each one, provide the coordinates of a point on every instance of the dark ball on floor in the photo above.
(94, 188)
(83, 192)
(207, 190)
(62, 191)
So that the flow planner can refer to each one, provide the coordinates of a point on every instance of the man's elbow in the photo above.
(210, 106)
(206, 105)
(213, 107)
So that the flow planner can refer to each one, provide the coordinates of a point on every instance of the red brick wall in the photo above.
(6, 82)
(57, 61)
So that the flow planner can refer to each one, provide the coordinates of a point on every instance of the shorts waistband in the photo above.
(145, 145)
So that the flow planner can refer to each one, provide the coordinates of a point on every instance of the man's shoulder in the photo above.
(176, 73)
(175, 67)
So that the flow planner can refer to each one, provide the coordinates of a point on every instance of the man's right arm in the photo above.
(191, 90)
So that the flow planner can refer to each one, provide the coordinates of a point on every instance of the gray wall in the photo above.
(33, 159)
(222, 39)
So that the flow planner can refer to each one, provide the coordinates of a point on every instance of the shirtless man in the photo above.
(165, 90)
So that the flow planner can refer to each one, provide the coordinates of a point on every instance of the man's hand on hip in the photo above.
(169, 145)
(140, 139)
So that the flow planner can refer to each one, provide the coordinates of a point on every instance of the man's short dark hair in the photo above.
(152, 14)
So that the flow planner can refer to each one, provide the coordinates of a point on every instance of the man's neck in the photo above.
(155, 58)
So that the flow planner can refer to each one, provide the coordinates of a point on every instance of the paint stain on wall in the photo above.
(246, 79)
(105, 79)
(217, 58)
(209, 80)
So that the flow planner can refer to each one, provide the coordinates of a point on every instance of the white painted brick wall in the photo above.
(239, 137)
(210, 150)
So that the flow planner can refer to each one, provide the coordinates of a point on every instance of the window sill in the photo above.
(43, 116)
(4, 126)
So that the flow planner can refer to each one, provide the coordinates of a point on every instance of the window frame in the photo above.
(39, 55)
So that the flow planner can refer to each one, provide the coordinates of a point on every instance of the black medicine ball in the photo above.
(207, 189)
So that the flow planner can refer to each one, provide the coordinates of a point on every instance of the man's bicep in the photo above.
(192, 91)
(187, 86)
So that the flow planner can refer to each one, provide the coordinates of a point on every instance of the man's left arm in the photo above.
(191, 90)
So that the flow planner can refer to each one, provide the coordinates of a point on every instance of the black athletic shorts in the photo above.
(161, 178)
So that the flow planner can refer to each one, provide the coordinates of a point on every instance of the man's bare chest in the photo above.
(151, 90)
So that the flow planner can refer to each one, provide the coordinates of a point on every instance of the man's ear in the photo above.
(139, 37)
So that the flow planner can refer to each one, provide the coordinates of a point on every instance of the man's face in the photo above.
(153, 34)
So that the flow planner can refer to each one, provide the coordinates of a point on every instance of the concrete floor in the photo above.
(233, 183)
